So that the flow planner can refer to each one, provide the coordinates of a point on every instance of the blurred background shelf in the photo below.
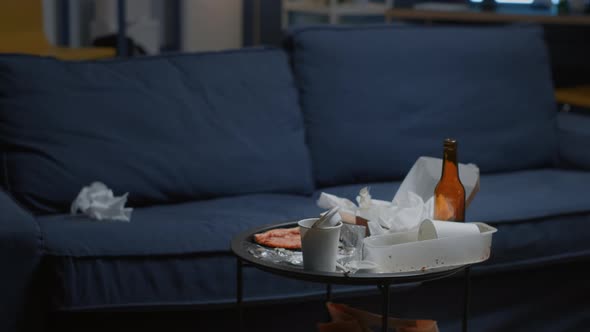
(334, 9)
(68, 29)
(577, 96)
(22, 30)
(477, 15)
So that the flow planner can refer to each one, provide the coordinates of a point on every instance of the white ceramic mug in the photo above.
(319, 245)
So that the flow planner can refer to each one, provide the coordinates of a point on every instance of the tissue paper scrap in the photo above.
(405, 212)
(98, 202)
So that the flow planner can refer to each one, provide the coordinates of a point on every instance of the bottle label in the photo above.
(443, 208)
(449, 207)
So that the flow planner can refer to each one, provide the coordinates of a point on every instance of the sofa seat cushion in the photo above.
(375, 98)
(179, 254)
(196, 227)
(165, 128)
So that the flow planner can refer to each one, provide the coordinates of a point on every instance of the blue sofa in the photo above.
(211, 144)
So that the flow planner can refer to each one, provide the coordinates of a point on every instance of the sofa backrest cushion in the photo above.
(376, 98)
(165, 129)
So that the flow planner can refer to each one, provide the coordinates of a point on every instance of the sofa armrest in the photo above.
(20, 254)
(574, 135)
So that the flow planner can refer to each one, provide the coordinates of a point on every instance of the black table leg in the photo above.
(385, 306)
(239, 294)
(328, 299)
(466, 298)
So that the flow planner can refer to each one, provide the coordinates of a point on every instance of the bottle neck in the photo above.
(450, 167)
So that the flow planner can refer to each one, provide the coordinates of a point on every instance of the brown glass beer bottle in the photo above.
(449, 194)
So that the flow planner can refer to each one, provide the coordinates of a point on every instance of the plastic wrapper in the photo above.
(275, 255)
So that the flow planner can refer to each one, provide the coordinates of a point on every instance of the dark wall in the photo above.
(270, 22)
(569, 48)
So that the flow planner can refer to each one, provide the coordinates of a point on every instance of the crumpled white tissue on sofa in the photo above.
(98, 202)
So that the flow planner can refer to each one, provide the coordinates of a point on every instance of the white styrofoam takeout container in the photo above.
(402, 252)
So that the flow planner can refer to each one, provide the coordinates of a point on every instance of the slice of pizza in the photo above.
(287, 238)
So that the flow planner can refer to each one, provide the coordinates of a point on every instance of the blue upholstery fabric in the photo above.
(165, 129)
(180, 280)
(179, 254)
(20, 254)
(520, 196)
(376, 98)
(574, 138)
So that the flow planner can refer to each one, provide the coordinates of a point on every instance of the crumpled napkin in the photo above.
(403, 213)
(98, 202)
(328, 201)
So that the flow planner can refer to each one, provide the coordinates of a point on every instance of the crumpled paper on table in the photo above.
(412, 203)
(98, 202)
(404, 213)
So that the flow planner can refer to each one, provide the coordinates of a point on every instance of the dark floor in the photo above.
(281, 316)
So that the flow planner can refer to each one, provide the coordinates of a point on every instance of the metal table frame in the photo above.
(383, 281)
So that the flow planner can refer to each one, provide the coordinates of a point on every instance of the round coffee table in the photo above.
(241, 242)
